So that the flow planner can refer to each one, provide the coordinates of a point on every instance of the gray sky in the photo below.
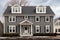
(54, 4)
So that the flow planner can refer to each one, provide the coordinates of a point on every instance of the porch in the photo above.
(26, 28)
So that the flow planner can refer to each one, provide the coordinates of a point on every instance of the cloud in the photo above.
(55, 5)
(56, 11)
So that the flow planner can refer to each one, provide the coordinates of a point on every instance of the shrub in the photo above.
(44, 34)
(10, 34)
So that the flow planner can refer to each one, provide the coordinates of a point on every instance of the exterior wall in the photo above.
(1, 29)
(57, 26)
(19, 19)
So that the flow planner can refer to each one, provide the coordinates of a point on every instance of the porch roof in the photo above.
(25, 21)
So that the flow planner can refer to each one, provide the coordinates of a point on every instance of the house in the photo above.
(27, 20)
(1, 28)
(57, 25)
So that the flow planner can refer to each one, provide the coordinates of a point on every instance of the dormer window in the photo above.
(16, 9)
(40, 9)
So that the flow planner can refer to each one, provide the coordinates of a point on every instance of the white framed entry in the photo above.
(26, 28)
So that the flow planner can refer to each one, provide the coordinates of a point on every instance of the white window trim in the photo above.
(12, 18)
(38, 19)
(17, 8)
(48, 18)
(40, 8)
(12, 28)
(47, 27)
(38, 29)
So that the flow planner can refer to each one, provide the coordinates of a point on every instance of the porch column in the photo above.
(20, 29)
(31, 29)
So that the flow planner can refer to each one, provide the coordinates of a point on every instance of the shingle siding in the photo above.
(42, 22)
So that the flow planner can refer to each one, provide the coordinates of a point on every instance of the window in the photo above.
(12, 18)
(16, 9)
(26, 17)
(47, 19)
(55, 30)
(12, 29)
(37, 28)
(58, 30)
(40, 9)
(37, 19)
(59, 23)
(47, 28)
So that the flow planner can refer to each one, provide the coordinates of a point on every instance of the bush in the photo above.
(44, 34)
(10, 34)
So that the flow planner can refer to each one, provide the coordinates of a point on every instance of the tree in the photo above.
(20, 2)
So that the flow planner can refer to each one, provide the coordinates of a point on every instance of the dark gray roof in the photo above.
(29, 10)
(56, 19)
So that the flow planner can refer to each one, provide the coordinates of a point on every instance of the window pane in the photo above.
(56, 30)
(47, 19)
(37, 30)
(13, 19)
(10, 19)
(16, 11)
(10, 30)
(14, 29)
(47, 30)
(59, 30)
(40, 10)
(37, 19)
(59, 23)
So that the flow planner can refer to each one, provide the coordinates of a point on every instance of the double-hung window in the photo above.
(47, 28)
(37, 29)
(37, 19)
(12, 18)
(40, 9)
(12, 29)
(16, 9)
(47, 19)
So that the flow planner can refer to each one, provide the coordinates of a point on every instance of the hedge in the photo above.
(44, 34)
(10, 35)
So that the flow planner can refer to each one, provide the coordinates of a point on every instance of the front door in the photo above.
(26, 30)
